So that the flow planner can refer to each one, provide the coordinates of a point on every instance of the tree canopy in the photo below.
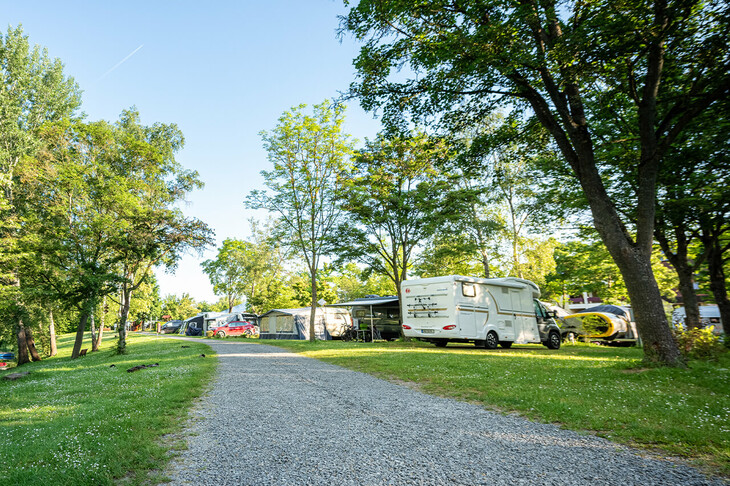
(589, 73)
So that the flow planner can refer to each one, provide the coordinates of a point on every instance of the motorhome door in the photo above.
(525, 321)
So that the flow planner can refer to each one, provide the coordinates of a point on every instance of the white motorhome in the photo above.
(488, 312)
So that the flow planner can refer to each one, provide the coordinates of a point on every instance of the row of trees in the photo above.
(624, 90)
(620, 108)
(88, 208)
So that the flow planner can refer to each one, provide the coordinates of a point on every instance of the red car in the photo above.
(237, 328)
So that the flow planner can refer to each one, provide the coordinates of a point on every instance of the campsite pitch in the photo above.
(274, 417)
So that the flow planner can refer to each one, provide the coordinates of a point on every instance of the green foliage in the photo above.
(397, 194)
(248, 268)
(352, 282)
(33, 91)
(232, 269)
(695, 343)
(179, 307)
(614, 88)
(586, 266)
(448, 254)
(308, 153)
(84, 422)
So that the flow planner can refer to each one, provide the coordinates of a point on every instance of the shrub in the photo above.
(699, 343)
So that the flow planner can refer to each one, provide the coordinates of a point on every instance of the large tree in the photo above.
(396, 195)
(230, 271)
(71, 199)
(33, 90)
(157, 233)
(560, 62)
(308, 153)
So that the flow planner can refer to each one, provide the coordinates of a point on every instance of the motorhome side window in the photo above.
(468, 290)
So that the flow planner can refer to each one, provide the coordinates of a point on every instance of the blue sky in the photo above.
(222, 70)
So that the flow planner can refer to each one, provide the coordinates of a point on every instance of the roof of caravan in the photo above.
(513, 282)
(369, 301)
(505, 281)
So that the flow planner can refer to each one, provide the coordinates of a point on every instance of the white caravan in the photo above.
(487, 311)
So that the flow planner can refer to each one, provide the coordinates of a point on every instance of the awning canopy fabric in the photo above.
(366, 302)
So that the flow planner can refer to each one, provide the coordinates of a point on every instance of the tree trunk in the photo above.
(646, 302)
(52, 333)
(122, 343)
(93, 332)
(685, 271)
(31, 345)
(717, 276)
(80, 332)
(313, 313)
(100, 334)
(689, 296)
(632, 254)
(23, 357)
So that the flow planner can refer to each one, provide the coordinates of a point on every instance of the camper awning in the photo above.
(379, 301)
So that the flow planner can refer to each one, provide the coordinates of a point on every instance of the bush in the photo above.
(699, 343)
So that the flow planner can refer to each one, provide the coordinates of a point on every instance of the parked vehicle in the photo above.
(171, 327)
(487, 312)
(607, 324)
(238, 328)
(223, 319)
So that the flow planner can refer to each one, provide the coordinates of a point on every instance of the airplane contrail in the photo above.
(120, 62)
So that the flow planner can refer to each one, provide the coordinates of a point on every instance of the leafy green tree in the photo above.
(231, 269)
(308, 152)
(450, 254)
(300, 284)
(70, 206)
(693, 211)
(566, 64)
(246, 268)
(352, 282)
(586, 266)
(181, 307)
(157, 231)
(33, 91)
(397, 195)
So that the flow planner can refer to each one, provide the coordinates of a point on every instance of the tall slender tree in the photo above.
(33, 90)
(308, 153)
(397, 195)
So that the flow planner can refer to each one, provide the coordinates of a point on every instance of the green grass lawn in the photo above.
(85, 422)
(683, 412)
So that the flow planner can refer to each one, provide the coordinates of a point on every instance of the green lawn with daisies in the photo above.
(89, 421)
(597, 389)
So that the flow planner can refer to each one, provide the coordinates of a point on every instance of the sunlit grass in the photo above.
(685, 412)
(86, 422)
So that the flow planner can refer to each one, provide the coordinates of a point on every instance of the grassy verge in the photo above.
(683, 412)
(86, 422)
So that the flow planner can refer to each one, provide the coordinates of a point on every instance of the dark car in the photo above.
(171, 327)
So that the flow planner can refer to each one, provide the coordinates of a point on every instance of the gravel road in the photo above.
(273, 417)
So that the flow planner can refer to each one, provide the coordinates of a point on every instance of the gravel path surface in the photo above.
(274, 417)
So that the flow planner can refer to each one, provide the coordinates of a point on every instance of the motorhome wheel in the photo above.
(553, 340)
(491, 341)
(441, 343)
(506, 344)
